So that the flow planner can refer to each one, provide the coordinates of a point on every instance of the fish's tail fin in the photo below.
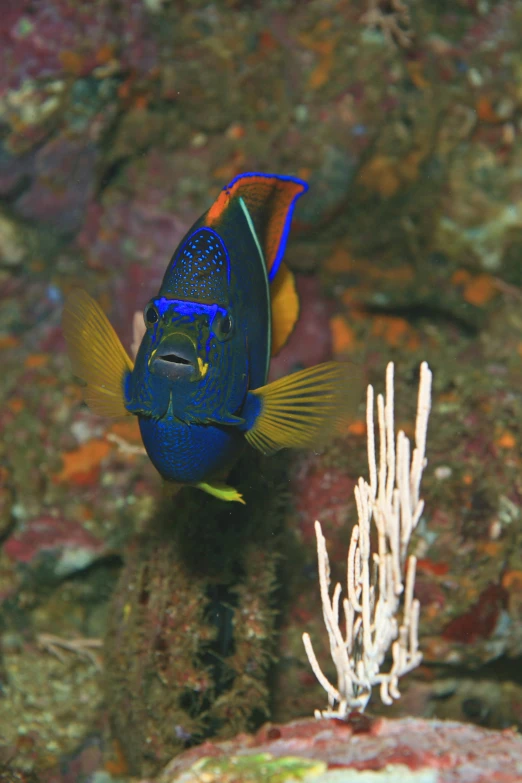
(304, 409)
(96, 353)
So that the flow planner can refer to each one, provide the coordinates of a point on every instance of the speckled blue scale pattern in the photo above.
(189, 453)
(200, 269)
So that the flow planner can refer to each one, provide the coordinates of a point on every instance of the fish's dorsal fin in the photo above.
(270, 199)
(96, 353)
(252, 229)
(253, 232)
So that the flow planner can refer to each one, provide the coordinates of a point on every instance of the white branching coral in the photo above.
(380, 612)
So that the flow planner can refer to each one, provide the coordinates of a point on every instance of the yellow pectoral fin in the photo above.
(96, 353)
(285, 307)
(304, 409)
(221, 491)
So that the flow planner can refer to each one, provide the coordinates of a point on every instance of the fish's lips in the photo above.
(175, 357)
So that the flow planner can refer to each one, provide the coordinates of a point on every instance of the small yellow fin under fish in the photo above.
(304, 409)
(285, 307)
(96, 353)
(221, 491)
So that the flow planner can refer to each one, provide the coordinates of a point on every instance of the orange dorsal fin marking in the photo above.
(218, 208)
(270, 200)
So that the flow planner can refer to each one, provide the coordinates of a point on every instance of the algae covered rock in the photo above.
(192, 628)
(357, 751)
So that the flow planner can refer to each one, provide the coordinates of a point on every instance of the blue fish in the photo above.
(198, 386)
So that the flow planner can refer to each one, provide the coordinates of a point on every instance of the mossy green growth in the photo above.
(192, 628)
(258, 768)
(264, 768)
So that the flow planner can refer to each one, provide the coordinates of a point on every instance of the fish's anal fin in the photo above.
(304, 409)
(285, 307)
(96, 353)
(220, 490)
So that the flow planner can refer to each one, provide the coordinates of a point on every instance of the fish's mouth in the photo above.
(175, 357)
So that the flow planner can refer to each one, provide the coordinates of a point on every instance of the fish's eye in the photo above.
(151, 315)
(226, 324)
(223, 326)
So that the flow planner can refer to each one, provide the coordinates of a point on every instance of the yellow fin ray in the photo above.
(304, 409)
(96, 353)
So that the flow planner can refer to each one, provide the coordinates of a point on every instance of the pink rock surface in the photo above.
(71, 544)
(460, 753)
(63, 183)
(321, 492)
(37, 37)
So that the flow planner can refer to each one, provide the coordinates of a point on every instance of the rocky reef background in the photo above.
(119, 123)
